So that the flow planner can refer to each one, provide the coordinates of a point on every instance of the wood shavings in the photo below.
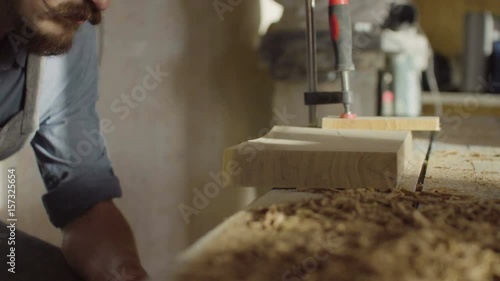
(358, 235)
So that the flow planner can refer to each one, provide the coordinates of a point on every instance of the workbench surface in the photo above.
(463, 159)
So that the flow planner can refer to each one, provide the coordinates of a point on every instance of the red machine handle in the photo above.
(341, 33)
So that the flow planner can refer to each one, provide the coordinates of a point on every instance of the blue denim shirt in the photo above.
(70, 150)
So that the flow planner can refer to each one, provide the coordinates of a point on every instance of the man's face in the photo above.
(49, 26)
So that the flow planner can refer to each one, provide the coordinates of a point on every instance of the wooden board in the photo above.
(465, 158)
(304, 158)
(383, 123)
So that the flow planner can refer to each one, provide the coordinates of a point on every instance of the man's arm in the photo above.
(100, 246)
(73, 160)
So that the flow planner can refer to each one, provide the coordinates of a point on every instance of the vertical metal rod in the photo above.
(346, 89)
(312, 70)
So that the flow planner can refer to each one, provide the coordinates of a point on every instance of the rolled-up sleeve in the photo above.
(70, 149)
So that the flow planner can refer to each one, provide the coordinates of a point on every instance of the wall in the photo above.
(443, 21)
(215, 96)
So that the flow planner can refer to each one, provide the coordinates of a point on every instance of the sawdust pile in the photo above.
(358, 235)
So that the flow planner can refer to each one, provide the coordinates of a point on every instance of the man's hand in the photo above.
(100, 246)
(102, 4)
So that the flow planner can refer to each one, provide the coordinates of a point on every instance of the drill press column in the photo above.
(312, 68)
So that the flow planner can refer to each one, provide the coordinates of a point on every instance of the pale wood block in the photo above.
(306, 158)
(383, 123)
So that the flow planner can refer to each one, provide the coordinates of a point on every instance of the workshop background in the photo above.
(218, 93)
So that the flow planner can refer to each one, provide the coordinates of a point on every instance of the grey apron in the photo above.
(21, 128)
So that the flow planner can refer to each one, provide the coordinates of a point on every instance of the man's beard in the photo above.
(67, 15)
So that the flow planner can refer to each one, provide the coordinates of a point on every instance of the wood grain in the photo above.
(383, 123)
(304, 158)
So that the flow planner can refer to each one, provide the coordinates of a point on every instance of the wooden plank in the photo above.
(282, 196)
(383, 123)
(465, 159)
(304, 158)
(409, 182)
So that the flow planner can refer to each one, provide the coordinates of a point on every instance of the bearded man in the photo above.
(48, 93)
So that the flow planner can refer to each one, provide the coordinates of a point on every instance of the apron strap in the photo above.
(30, 118)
